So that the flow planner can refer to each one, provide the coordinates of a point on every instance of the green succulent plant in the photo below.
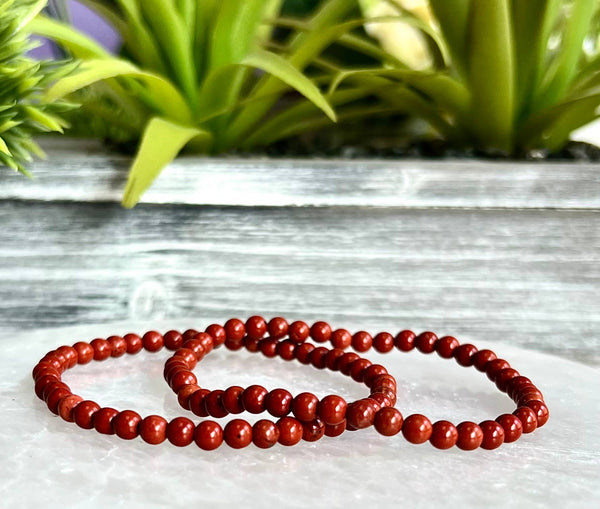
(201, 75)
(23, 81)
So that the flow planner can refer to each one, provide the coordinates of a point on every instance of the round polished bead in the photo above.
(196, 346)
(470, 436)
(183, 395)
(383, 342)
(384, 381)
(173, 340)
(333, 358)
(512, 427)
(286, 350)
(302, 352)
(481, 358)
(83, 414)
(208, 435)
(304, 406)
(268, 347)
(358, 368)
(298, 332)
(85, 352)
(332, 409)
(196, 402)
(153, 429)
(118, 346)
(372, 372)
(69, 354)
(253, 399)
(213, 403)
(527, 417)
(153, 341)
(189, 334)
(313, 430)
(318, 357)
(237, 433)
(278, 402)
(217, 333)
(445, 346)
(102, 349)
(417, 429)
(405, 340)
(238, 345)
(362, 341)
(341, 338)
(388, 421)
(493, 367)
(320, 332)
(102, 420)
(187, 355)
(181, 379)
(54, 398)
(54, 361)
(277, 327)
(231, 399)
(66, 406)
(180, 431)
(256, 327)
(290, 431)
(45, 368)
(345, 362)
(493, 435)
(361, 413)
(529, 395)
(541, 411)
(382, 399)
(514, 385)
(503, 376)
(443, 435)
(134, 343)
(235, 330)
(335, 430)
(43, 382)
(265, 434)
(125, 424)
(463, 355)
(206, 340)
(173, 366)
(425, 342)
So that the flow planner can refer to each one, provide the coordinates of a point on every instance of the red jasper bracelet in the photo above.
(330, 416)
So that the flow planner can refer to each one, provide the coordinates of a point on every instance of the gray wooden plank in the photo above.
(83, 170)
(528, 277)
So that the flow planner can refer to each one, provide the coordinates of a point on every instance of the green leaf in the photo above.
(453, 17)
(161, 143)
(491, 71)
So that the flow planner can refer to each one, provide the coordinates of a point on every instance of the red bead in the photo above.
(253, 399)
(214, 404)
(341, 339)
(196, 346)
(180, 431)
(470, 436)
(208, 435)
(54, 398)
(298, 332)
(134, 343)
(102, 349)
(206, 340)
(189, 334)
(333, 357)
(318, 357)
(256, 327)
(529, 395)
(320, 332)
(383, 342)
(382, 399)
(335, 430)
(405, 340)
(217, 333)
(173, 340)
(286, 350)
(125, 424)
(237, 433)
(504, 376)
(493, 367)
(304, 406)
(181, 379)
(358, 368)
(527, 417)
(372, 372)
(153, 429)
(85, 352)
(541, 411)
(173, 366)
(512, 427)
(417, 429)
(196, 402)
(493, 435)
(66, 406)
(54, 361)
(425, 342)
(290, 431)
(43, 382)
(332, 409)
(302, 352)
(278, 327)
(235, 330)
(345, 361)
(118, 346)
(443, 435)
(268, 347)
(237, 345)
(388, 421)
(102, 420)
(361, 413)
(390, 394)
(445, 346)
(183, 395)
(153, 341)
(384, 381)
(83, 414)
(313, 430)
(43, 369)
(278, 402)
(231, 399)
(187, 355)
(362, 341)
(514, 384)
(464, 355)
(481, 358)
(69, 354)
(265, 434)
